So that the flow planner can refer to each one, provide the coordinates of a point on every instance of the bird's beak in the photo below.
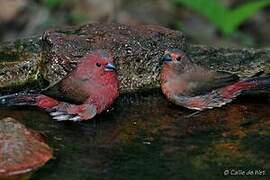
(110, 67)
(167, 58)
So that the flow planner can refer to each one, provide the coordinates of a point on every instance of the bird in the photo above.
(87, 91)
(196, 87)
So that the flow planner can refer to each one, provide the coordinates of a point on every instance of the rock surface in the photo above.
(21, 150)
(137, 51)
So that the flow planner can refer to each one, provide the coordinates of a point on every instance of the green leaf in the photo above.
(212, 9)
(53, 3)
(240, 14)
(225, 19)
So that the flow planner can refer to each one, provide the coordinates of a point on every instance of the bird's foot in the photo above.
(72, 112)
(64, 116)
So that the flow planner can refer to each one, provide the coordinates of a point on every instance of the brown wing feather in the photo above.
(67, 90)
(205, 80)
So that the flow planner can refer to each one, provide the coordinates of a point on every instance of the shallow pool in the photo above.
(145, 137)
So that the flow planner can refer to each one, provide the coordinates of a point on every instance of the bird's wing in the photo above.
(222, 78)
(67, 90)
(211, 80)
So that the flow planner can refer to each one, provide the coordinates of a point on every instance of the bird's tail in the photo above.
(259, 81)
(27, 99)
(19, 99)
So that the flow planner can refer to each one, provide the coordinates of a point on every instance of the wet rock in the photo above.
(137, 51)
(21, 150)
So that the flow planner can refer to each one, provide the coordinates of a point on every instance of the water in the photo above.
(145, 137)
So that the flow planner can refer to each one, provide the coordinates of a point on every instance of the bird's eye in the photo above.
(178, 58)
(98, 64)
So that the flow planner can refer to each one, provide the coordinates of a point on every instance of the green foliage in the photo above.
(53, 3)
(79, 17)
(225, 19)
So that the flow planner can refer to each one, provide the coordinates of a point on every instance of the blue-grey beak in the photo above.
(167, 58)
(110, 67)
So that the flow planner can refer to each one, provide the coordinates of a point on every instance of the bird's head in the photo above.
(175, 64)
(98, 66)
(103, 62)
(174, 56)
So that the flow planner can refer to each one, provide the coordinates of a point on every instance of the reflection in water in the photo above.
(145, 137)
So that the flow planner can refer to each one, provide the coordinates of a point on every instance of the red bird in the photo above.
(88, 90)
(195, 87)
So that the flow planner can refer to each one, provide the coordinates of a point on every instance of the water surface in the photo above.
(145, 137)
